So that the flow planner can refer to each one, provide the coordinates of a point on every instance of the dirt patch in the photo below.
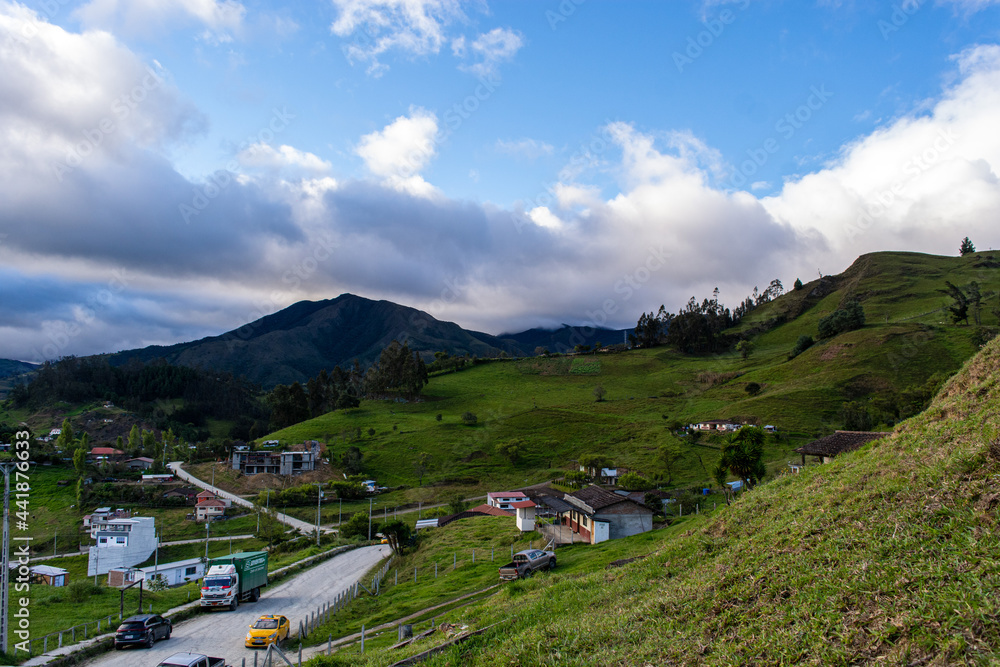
(833, 351)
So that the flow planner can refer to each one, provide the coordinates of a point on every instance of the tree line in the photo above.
(698, 328)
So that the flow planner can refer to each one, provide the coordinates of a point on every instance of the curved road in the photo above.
(291, 521)
(221, 633)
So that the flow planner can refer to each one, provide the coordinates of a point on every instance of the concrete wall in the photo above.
(625, 525)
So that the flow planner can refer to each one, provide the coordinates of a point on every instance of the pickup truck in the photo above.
(526, 562)
(192, 660)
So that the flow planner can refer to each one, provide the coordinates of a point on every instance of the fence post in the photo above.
(302, 630)
(435, 570)
(362, 639)
(697, 508)
(473, 555)
(60, 640)
(45, 644)
(98, 627)
(454, 560)
(74, 633)
(329, 644)
(300, 655)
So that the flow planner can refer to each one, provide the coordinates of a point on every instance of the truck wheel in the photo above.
(255, 595)
(235, 603)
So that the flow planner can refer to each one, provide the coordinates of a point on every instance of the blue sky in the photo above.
(176, 168)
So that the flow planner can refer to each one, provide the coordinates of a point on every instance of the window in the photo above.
(188, 571)
(121, 540)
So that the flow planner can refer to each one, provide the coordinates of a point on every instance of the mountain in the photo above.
(10, 368)
(298, 342)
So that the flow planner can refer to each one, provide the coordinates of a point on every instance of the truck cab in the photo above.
(221, 587)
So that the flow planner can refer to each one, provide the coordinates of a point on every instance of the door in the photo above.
(602, 531)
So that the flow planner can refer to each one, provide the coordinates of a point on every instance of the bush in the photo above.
(849, 318)
(631, 481)
(469, 419)
(753, 388)
(357, 526)
(78, 591)
(801, 345)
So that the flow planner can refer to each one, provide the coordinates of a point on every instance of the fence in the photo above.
(85, 630)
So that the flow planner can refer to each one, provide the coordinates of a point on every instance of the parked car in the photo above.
(526, 563)
(142, 630)
(268, 629)
(192, 660)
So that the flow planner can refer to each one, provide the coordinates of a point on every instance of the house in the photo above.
(209, 510)
(838, 442)
(175, 574)
(504, 499)
(139, 463)
(121, 543)
(770, 429)
(369, 485)
(525, 518)
(187, 493)
(98, 454)
(211, 495)
(49, 575)
(303, 458)
(96, 520)
(598, 515)
(718, 425)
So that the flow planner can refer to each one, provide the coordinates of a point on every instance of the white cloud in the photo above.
(222, 18)
(284, 157)
(497, 46)
(414, 27)
(531, 149)
(401, 150)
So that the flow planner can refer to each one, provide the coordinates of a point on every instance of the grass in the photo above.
(888, 555)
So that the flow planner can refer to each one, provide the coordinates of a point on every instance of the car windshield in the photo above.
(132, 625)
(218, 581)
(266, 624)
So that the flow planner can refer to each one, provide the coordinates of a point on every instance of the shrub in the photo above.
(631, 481)
(78, 591)
(469, 419)
(753, 388)
(849, 318)
(801, 345)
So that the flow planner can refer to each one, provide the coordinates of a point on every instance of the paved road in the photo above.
(291, 521)
(221, 633)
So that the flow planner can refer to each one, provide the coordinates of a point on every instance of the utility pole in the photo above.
(370, 519)
(208, 527)
(319, 498)
(5, 555)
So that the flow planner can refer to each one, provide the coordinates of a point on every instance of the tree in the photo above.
(975, 302)
(134, 441)
(599, 393)
(632, 481)
(753, 388)
(959, 308)
(745, 348)
(80, 461)
(456, 503)
(397, 533)
(469, 418)
(596, 462)
(421, 465)
(575, 478)
(848, 318)
(798, 284)
(357, 526)
(742, 455)
(350, 460)
(511, 449)
(804, 342)
(966, 247)
(66, 438)
(670, 454)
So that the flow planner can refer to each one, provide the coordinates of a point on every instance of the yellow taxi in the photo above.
(268, 629)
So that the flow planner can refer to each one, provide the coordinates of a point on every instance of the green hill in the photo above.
(889, 369)
(888, 555)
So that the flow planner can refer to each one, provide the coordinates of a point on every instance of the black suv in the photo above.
(143, 629)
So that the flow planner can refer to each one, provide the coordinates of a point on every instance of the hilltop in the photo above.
(296, 343)
(888, 555)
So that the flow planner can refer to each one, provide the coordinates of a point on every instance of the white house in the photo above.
(121, 543)
(175, 574)
(525, 515)
(505, 499)
(209, 510)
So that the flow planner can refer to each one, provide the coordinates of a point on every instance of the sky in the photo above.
(173, 169)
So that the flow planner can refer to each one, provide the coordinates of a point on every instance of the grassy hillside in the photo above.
(888, 555)
(895, 361)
